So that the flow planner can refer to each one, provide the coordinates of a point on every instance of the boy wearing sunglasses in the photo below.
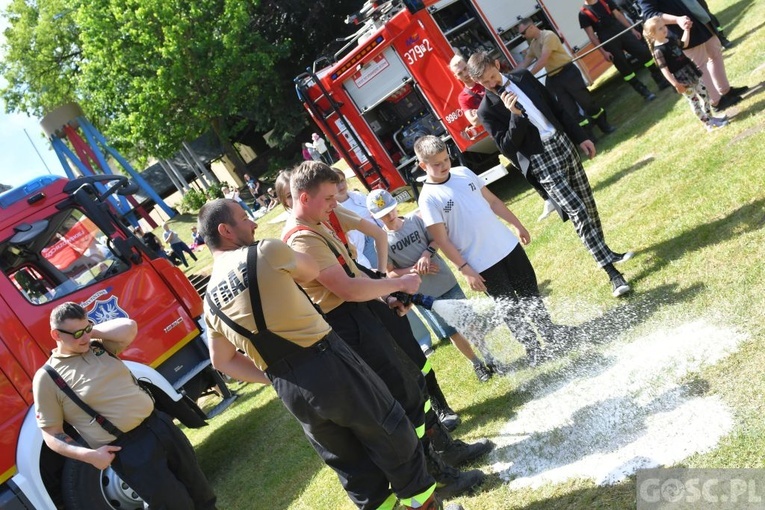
(142, 445)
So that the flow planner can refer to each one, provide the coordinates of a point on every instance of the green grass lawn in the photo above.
(691, 204)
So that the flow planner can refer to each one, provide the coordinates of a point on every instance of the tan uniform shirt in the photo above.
(287, 310)
(315, 245)
(101, 381)
(558, 55)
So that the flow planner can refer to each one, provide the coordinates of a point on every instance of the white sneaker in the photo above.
(548, 209)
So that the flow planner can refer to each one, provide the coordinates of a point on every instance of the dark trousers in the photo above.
(401, 331)
(513, 280)
(569, 88)
(157, 461)
(179, 248)
(635, 47)
(359, 327)
(354, 424)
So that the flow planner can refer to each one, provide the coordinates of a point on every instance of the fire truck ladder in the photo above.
(363, 169)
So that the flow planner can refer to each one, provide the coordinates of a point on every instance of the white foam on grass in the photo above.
(633, 407)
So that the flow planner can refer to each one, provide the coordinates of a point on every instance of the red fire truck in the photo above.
(391, 83)
(61, 240)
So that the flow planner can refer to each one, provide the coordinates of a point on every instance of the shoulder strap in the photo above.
(69, 392)
(252, 282)
(334, 224)
(587, 11)
(340, 258)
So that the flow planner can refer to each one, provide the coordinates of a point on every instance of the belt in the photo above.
(293, 361)
(561, 68)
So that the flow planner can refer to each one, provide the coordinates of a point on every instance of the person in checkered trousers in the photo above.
(532, 129)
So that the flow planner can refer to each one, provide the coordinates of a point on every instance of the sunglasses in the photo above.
(523, 32)
(78, 334)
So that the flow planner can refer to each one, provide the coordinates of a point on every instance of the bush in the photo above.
(193, 200)
(214, 191)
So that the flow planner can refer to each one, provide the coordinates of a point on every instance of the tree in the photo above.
(153, 73)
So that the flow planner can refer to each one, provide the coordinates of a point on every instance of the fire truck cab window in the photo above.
(70, 254)
(402, 118)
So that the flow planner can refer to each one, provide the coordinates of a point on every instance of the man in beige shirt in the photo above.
(351, 302)
(146, 450)
(254, 304)
(563, 78)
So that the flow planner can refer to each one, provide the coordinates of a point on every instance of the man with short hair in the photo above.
(470, 99)
(141, 444)
(534, 131)
(564, 80)
(350, 301)
(254, 305)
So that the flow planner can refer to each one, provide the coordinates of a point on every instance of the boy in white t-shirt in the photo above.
(462, 216)
(411, 250)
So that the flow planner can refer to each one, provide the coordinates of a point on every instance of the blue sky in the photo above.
(18, 160)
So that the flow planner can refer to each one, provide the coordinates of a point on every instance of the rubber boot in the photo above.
(454, 451)
(642, 89)
(450, 481)
(602, 122)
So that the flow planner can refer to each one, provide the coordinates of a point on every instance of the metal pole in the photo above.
(38, 152)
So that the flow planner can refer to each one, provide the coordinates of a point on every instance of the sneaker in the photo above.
(727, 101)
(650, 97)
(495, 367)
(448, 418)
(459, 452)
(737, 91)
(482, 372)
(619, 286)
(718, 121)
(547, 210)
(623, 257)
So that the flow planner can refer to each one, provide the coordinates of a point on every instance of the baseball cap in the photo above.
(380, 203)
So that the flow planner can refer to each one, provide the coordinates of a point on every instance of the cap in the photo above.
(380, 203)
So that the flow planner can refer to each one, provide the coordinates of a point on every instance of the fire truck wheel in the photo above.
(86, 488)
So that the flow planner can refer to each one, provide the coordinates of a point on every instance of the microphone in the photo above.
(500, 88)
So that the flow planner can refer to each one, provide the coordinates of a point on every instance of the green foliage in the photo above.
(193, 200)
(214, 191)
(151, 73)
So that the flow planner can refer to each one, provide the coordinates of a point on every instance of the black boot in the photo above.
(453, 451)
(446, 414)
(602, 122)
(450, 482)
(642, 89)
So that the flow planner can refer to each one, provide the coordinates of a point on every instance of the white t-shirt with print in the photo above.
(479, 235)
